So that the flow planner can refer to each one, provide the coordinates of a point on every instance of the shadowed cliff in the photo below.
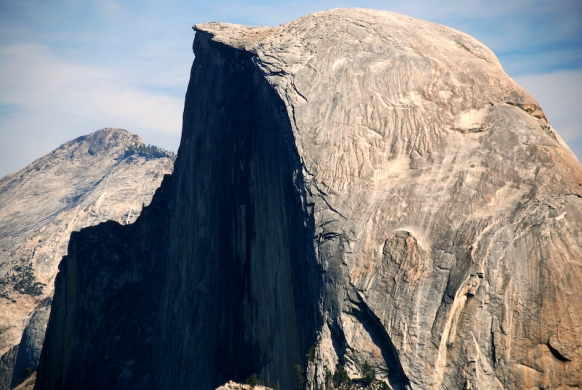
(244, 282)
(240, 291)
(107, 294)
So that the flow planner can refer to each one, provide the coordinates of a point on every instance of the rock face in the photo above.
(31, 344)
(107, 175)
(352, 186)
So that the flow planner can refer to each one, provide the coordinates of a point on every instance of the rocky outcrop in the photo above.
(107, 175)
(239, 386)
(354, 186)
(31, 344)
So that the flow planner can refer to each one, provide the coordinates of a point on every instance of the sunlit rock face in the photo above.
(354, 186)
(109, 174)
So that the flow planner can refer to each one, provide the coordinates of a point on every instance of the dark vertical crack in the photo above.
(373, 325)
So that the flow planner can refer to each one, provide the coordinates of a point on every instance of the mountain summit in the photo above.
(107, 175)
(356, 191)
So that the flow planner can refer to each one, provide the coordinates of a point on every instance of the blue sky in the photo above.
(68, 68)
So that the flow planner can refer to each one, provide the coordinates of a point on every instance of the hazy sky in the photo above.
(68, 68)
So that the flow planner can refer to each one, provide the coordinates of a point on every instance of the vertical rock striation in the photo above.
(354, 186)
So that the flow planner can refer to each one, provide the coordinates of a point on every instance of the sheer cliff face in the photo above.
(106, 175)
(371, 185)
(242, 297)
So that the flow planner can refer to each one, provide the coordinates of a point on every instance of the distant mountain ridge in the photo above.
(109, 174)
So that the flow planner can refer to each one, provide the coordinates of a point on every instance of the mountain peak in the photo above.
(105, 139)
